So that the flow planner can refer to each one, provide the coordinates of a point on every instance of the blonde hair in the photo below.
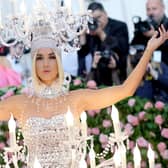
(36, 82)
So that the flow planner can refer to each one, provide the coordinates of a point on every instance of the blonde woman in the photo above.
(41, 113)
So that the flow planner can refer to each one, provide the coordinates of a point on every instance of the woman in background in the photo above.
(8, 77)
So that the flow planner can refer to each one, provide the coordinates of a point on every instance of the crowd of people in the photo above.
(41, 111)
(107, 56)
(113, 57)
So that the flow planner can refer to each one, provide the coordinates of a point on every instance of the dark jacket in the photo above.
(139, 38)
(116, 40)
(155, 89)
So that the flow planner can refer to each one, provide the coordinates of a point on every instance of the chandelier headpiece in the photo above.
(58, 28)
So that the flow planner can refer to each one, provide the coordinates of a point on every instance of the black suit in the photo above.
(139, 38)
(116, 40)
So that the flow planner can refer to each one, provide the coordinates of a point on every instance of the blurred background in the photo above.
(118, 9)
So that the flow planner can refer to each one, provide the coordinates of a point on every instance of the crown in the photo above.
(58, 27)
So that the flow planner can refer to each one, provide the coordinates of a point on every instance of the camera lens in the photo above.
(93, 25)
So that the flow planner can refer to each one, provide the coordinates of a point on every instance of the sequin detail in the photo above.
(48, 141)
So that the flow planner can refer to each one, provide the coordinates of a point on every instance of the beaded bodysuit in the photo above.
(48, 139)
(48, 142)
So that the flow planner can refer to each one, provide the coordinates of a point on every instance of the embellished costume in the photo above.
(48, 139)
(48, 142)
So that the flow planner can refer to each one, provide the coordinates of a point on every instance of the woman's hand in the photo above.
(155, 41)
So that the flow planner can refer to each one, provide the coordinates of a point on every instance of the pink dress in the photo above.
(8, 77)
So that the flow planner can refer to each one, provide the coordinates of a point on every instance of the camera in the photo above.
(105, 59)
(135, 53)
(93, 24)
(141, 26)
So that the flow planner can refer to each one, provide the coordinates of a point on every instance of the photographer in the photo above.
(159, 72)
(154, 85)
(155, 10)
(104, 68)
(109, 37)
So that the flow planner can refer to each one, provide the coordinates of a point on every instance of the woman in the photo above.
(8, 77)
(41, 113)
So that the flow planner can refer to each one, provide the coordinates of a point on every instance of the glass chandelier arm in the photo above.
(109, 162)
(21, 35)
(7, 44)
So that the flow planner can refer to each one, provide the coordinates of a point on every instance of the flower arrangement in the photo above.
(144, 121)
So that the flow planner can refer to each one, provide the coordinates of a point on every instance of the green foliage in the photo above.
(145, 127)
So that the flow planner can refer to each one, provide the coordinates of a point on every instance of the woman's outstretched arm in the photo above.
(96, 99)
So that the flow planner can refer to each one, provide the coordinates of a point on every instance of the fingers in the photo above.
(163, 32)
(155, 34)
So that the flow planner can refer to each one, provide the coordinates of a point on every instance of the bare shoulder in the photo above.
(13, 104)
(16, 99)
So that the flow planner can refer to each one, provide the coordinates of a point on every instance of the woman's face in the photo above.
(46, 65)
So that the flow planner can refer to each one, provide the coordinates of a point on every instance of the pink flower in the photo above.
(143, 164)
(89, 131)
(164, 154)
(97, 111)
(103, 138)
(7, 94)
(91, 84)
(91, 113)
(95, 131)
(109, 110)
(161, 146)
(142, 142)
(159, 120)
(107, 123)
(148, 105)
(131, 145)
(104, 145)
(164, 133)
(77, 82)
(133, 120)
(158, 165)
(141, 115)
(131, 102)
(130, 165)
(2, 145)
(128, 129)
(159, 105)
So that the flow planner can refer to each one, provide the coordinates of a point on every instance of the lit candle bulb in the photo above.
(69, 118)
(151, 157)
(55, 2)
(12, 131)
(81, 6)
(68, 4)
(116, 122)
(84, 129)
(82, 163)
(123, 155)
(23, 8)
(137, 157)
(92, 156)
(117, 158)
(84, 123)
(13, 7)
